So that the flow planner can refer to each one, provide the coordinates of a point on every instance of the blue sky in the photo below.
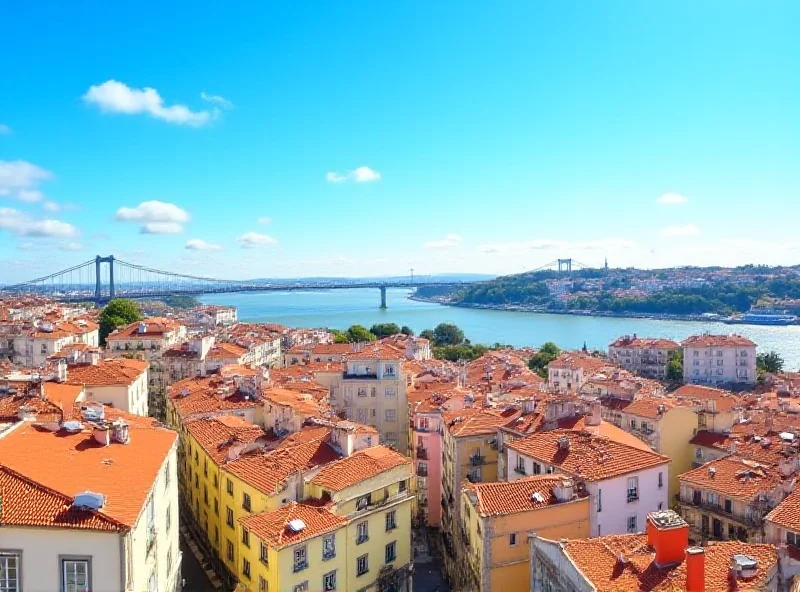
(362, 138)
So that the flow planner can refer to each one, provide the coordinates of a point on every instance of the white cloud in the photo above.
(672, 199)
(161, 228)
(20, 178)
(21, 224)
(197, 244)
(680, 231)
(217, 100)
(558, 246)
(51, 206)
(451, 240)
(72, 246)
(265, 220)
(157, 217)
(30, 195)
(251, 240)
(4, 129)
(362, 174)
(116, 97)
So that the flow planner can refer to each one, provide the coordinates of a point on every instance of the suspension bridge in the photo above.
(104, 278)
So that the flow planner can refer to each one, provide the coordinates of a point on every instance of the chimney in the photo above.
(595, 414)
(102, 434)
(668, 534)
(695, 569)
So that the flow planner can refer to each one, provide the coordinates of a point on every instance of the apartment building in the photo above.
(728, 499)
(497, 517)
(719, 359)
(569, 371)
(646, 357)
(119, 382)
(147, 338)
(210, 316)
(371, 389)
(316, 352)
(624, 483)
(659, 561)
(782, 524)
(89, 504)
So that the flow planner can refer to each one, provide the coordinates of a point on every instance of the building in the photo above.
(569, 371)
(659, 561)
(643, 356)
(783, 523)
(148, 337)
(90, 503)
(728, 499)
(119, 382)
(210, 316)
(719, 359)
(497, 517)
(625, 483)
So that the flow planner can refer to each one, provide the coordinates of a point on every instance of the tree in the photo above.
(381, 330)
(359, 334)
(447, 334)
(406, 330)
(339, 336)
(675, 365)
(546, 354)
(769, 363)
(428, 334)
(116, 313)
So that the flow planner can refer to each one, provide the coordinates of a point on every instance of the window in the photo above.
(262, 584)
(512, 539)
(229, 517)
(329, 581)
(152, 583)
(75, 575)
(329, 547)
(362, 391)
(9, 572)
(363, 502)
(216, 481)
(660, 480)
(390, 392)
(229, 487)
(633, 489)
(698, 453)
(362, 531)
(791, 539)
(205, 467)
(362, 565)
(264, 554)
(169, 518)
(391, 552)
(728, 506)
(632, 523)
(169, 562)
(301, 587)
(300, 559)
(391, 520)
(196, 458)
(246, 568)
(216, 506)
(205, 494)
(391, 415)
(401, 487)
(246, 501)
(167, 475)
(230, 550)
(216, 534)
(537, 469)
(246, 537)
(520, 465)
(599, 501)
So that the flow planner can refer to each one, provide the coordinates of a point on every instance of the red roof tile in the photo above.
(359, 466)
(273, 527)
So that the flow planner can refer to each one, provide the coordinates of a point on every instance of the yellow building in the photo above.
(496, 518)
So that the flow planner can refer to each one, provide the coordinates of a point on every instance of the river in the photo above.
(338, 309)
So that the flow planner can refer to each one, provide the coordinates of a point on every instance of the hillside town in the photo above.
(284, 459)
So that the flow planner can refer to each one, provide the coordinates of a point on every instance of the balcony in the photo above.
(359, 376)
(473, 478)
(151, 542)
(362, 508)
(749, 519)
(422, 453)
(423, 428)
(422, 471)
(477, 459)
(362, 538)
(300, 565)
(520, 470)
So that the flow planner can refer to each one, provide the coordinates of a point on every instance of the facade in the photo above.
(213, 316)
(719, 359)
(624, 483)
(120, 383)
(426, 442)
(659, 561)
(569, 372)
(90, 505)
(148, 337)
(783, 523)
(643, 356)
(497, 517)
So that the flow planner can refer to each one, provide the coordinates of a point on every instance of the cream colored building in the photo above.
(642, 356)
(719, 359)
(120, 383)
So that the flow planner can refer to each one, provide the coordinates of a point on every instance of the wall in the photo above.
(675, 430)
(700, 364)
(432, 442)
(130, 398)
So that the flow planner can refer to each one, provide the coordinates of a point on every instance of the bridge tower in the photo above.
(383, 297)
(98, 286)
(565, 265)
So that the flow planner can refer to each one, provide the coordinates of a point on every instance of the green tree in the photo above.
(359, 334)
(428, 334)
(406, 330)
(770, 363)
(381, 330)
(546, 354)
(116, 313)
(339, 336)
(448, 334)
(675, 365)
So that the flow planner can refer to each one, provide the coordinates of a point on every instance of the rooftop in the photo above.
(116, 371)
(787, 513)
(359, 466)
(273, 527)
(733, 477)
(708, 340)
(510, 497)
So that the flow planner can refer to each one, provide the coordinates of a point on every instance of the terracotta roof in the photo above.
(723, 400)
(206, 395)
(273, 527)
(475, 422)
(116, 371)
(217, 435)
(787, 513)
(510, 497)
(44, 409)
(733, 477)
(598, 560)
(330, 349)
(125, 474)
(649, 407)
(574, 361)
(359, 466)
(708, 340)
(27, 503)
(377, 351)
(588, 456)
(155, 327)
(226, 351)
(63, 395)
(304, 404)
(634, 342)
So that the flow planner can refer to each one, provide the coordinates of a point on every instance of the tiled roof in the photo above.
(206, 395)
(304, 404)
(217, 435)
(226, 351)
(476, 422)
(73, 463)
(574, 361)
(766, 449)
(733, 477)
(634, 342)
(377, 351)
(591, 457)
(717, 341)
(723, 400)
(359, 466)
(649, 407)
(43, 408)
(273, 527)
(116, 371)
(330, 349)
(30, 504)
(154, 328)
(598, 560)
(63, 395)
(787, 513)
(510, 497)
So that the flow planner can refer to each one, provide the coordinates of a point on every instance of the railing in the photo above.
(300, 565)
(372, 505)
(362, 538)
(348, 375)
(477, 459)
(422, 428)
(748, 519)
(520, 470)
(422, 471)
(422, 453)
(633, 496)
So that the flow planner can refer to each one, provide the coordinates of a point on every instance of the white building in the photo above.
(214, 316)
(119, 382)
(89, 507)
(625, 483)
(719, 359)
(643, 356)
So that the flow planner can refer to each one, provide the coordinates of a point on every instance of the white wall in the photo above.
(129, 398)
(704, 367)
